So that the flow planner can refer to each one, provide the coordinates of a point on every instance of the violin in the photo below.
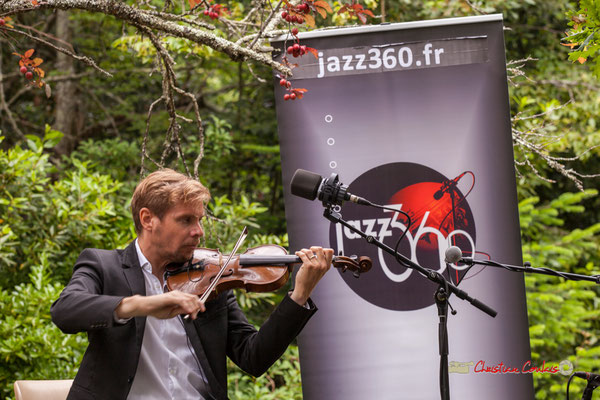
(264, 268)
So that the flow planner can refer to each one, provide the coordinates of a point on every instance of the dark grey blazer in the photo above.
(101, 278)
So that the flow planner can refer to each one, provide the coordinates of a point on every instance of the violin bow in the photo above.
(222, 270)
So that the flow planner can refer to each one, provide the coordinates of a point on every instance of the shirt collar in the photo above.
(144, 263)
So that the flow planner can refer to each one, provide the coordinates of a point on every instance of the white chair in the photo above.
(42, 390)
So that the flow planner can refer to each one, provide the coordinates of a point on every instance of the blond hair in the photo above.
(161, 190)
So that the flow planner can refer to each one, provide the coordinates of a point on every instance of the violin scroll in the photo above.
(358, 265)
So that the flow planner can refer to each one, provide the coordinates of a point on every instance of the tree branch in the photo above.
(4, 106)
(147, 19)
(83, 59)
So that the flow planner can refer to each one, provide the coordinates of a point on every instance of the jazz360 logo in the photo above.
(440, 215)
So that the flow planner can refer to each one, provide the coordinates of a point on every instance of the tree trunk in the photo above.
(66, 103)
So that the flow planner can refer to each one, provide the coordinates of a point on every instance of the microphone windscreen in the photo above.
(453, 255)
(305, 184)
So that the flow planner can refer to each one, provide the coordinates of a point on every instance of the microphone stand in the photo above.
(589, 389)
(445, 289)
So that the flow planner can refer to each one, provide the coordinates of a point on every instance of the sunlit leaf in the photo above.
(310, 20)
(322, 12)
(571, 45)
(313, 51)
(369, 13)
(323, 4)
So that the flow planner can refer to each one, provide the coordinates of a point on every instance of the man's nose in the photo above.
(198, 230)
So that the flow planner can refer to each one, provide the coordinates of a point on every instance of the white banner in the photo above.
(415, 117)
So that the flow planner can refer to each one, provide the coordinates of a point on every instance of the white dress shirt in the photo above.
(168, 367)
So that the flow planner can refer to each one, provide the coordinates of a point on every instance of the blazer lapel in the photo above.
(135, 279)
(133, 270)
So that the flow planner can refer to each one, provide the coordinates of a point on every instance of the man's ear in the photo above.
(146, 219)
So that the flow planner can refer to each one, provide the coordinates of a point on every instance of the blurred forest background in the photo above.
(69, 162)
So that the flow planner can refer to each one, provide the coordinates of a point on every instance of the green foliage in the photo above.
(114, 157)
(48, 217)
(31, 346)
(229, 219)
(583, 36)
(57, 218)
(563, 315)
(281, 382)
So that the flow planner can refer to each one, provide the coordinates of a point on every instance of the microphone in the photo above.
(446, 185)
(453, 255)
(588, 376)
(330, 191)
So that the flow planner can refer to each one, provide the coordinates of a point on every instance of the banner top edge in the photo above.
(392, 26)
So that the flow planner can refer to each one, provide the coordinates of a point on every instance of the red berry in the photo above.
(286, 97)
(288, 84)
(282, 82)
(23, 69)
(299, 20)
(214, 15)
(2, 22)
(29, 75)
(296, 47)
(206, 12)
(290, 49)
(284, 15)
(294, 31)
(293, 96)
(289, 18)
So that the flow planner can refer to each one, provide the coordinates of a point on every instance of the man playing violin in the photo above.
(140, 347)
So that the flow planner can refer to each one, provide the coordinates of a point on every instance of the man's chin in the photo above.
(186, 253)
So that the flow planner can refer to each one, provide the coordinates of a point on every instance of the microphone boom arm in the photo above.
(529, 269)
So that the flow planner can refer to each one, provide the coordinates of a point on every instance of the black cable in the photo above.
(510, 268)
(399, 211)
(461, 199)
(408, 225)
(189, 345)
(568, 383)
